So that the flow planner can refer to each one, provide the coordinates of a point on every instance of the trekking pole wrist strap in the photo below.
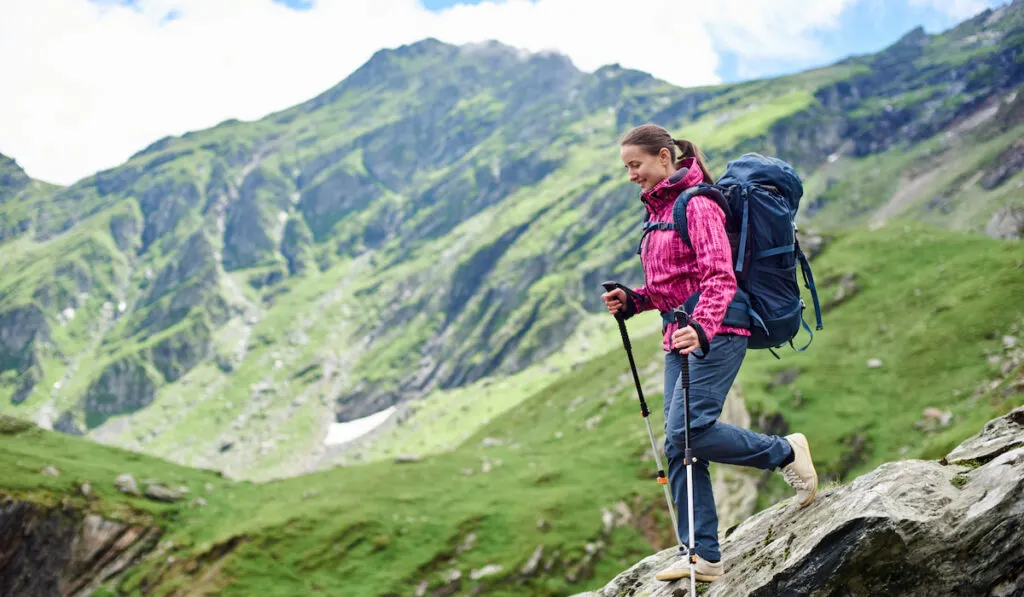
(633, 299)
(683, 319)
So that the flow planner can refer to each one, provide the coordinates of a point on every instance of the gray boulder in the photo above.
(909, 528)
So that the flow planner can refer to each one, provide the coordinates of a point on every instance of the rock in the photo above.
(1007, 223)
(848, 287)
(162, 493)
(1007, 164)
(1009, 342)
(543, 525)
(177, 355)
(874, 363)
(12, 426)
(944, 418)
(124, 386)
(467, 543)
(607, 522)
(912, 528)
(47, 552)
(487, 570)
(998, 436)
(125, 483)
(86, 489)
(531, 566)
(50, 471)
(812, 243)
(22, 332)
(784, 378)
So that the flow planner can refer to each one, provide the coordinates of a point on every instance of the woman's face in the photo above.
(645, 169)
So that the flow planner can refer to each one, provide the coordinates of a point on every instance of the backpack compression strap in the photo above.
(805, 268)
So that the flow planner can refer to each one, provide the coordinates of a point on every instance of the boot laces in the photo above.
(794, 480)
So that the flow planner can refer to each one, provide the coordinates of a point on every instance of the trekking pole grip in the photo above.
(683, 319)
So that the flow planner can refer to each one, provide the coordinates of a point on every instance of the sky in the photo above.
(87, 83)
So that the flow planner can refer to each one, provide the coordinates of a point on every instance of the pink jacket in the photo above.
(673, 271)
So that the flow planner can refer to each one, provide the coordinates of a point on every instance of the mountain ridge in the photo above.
(339, 257)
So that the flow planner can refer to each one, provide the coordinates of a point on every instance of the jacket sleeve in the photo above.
(706, 225)
(642, 300)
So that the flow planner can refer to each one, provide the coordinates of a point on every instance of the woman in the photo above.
(673, 271)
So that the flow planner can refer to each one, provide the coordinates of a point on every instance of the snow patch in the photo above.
(340, 433)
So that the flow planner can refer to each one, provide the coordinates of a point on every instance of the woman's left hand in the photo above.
(685, 340)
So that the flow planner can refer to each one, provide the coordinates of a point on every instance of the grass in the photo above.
(719, 130)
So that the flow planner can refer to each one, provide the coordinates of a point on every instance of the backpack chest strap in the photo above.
(648, 227)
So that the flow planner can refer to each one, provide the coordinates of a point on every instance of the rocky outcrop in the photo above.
(166, 203)
(339, 194)
(177, 355)
(197, 256)
(63, 552)
(297, 245)
(912, 527)
(22, 331)
(126, 228)
(19, 329)
(124, 386)
(189, 281)
(1007, 223)
(12, 178)
(131, 383)
(1007, 164)
(252, 223)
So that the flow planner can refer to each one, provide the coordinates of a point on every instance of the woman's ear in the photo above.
(665, 157)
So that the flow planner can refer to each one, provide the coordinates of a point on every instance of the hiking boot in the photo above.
(704, 571)
(800, 473)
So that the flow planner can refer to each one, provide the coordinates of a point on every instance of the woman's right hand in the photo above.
(615, 300)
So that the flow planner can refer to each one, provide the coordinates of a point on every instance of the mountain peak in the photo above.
(12, 176)
(423, 47)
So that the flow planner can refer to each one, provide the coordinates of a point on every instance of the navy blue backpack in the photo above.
(760, 197)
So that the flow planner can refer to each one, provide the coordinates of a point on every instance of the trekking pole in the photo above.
(662, 479)
(682, 320)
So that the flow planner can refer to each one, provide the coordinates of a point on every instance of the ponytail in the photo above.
(687, 149)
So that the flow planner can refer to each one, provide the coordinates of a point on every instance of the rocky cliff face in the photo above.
(51, 552)
(916, 528)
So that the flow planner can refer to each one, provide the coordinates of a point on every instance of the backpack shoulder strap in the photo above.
(679, 207)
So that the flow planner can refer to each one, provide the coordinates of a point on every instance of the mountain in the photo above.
(436, 224)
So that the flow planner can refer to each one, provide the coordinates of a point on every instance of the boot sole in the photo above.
(700, 577)
(801, 441)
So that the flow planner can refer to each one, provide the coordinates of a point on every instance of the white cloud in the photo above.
(86, 84)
